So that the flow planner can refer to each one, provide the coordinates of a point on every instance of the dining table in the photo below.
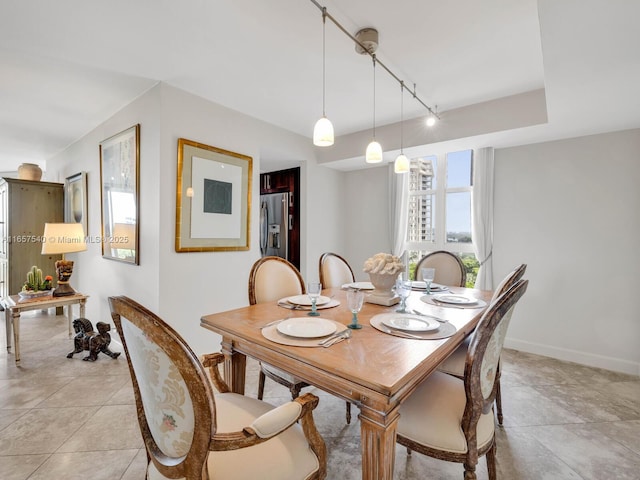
(374, 370)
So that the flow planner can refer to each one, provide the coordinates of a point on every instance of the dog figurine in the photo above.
(87, 339)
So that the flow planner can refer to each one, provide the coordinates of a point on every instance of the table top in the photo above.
(375, 362)
(18, 301)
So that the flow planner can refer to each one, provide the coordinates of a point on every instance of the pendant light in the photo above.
(323, 130)
(374, 150)
(401, 165)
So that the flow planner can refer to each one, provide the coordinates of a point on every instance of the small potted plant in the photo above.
(36, 285)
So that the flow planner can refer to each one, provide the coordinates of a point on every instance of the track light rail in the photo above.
(402, 83)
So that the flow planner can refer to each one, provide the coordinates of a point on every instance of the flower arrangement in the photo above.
(35, 282)
(384, 264)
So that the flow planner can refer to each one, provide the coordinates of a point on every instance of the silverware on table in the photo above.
(338, 338)
(430, 316)
(331, 337)
(275, 322)
(290, 306)
(399, 333)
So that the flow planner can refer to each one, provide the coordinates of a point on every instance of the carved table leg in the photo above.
(70, 319)
(234, 367)
(378, 436)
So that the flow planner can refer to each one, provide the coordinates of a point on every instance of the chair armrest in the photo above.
(211, 361)
(274, 422)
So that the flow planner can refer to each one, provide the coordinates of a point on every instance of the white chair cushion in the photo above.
(284, 457)
(433, 413)
(454, 364)
(280, 373)
(275, 280)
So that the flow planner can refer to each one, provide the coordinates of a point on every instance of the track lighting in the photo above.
(374, 149)
(323, 130)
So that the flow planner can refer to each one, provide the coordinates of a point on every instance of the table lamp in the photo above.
(61, 238)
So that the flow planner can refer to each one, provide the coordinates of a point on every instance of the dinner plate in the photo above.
(455, 299)
(359, 285)
(305, 300)
(418, 285)
(409, 322)
(306, 327)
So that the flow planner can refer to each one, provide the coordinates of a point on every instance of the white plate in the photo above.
(359, 285)
(455, 299)
(418, 285)
(306, 301)
(411, 323)
(305, 327)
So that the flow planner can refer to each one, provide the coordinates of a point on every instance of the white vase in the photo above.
(383, 284)
(29, 171)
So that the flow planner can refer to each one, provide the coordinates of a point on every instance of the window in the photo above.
(439, 210)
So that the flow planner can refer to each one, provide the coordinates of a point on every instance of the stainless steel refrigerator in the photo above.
(274, 224)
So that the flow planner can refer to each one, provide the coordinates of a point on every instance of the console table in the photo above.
(14, 305)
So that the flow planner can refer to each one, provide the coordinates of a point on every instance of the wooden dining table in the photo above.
(373, 370)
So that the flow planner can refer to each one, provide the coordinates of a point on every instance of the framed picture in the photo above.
(75, 200)
(119, 190)
(213, 198)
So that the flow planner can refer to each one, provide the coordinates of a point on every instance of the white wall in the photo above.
(93, 275)
(367, 211)
(569, 209)
(181, 287)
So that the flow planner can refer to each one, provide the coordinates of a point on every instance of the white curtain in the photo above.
(398, 210)
(482, 215)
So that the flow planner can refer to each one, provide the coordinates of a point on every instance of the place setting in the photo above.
(412, 326)
(453, 300)
(312, 302)
(306, 332)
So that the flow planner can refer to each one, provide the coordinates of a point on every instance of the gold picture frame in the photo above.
(119, 195)
(213, 199)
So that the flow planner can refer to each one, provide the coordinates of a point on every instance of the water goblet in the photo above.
(427, 277)
(313, 290)
(354, 303)
(403, 290)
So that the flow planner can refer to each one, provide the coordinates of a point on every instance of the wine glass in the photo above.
(354, 303)
(427, 276)
(403, 290)
(313, 290)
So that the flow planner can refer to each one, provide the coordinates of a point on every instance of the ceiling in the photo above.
(67, 66)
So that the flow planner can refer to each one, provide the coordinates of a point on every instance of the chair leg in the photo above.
(261, 385)
(408, 451)
(491, 462)
(470, 472)
(499, 403)
(348, 413)
(295, 391)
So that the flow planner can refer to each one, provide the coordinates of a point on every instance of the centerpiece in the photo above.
(383, 269)
(36, 285)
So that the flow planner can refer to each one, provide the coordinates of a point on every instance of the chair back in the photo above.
(272, 278)
(449, 268)
(174, 399)
(509, 280)
(335, 271)
(483, 355)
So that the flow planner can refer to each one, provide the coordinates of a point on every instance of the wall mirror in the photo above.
(119, 179)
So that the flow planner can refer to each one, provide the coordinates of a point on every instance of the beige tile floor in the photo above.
(69, 419)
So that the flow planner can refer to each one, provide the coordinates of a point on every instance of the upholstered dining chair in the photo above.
(449, 268)
(452, 419)
(189, 431)
(270, 279)
(454, 364)
(334, 270)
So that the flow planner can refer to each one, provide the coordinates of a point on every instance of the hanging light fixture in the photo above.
(323, 130)
(401, 165)
(431, 119)
(374, 150)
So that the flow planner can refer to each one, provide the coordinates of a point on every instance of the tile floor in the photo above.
(65, 418)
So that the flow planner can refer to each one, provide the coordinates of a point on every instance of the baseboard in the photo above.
(588, 359)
